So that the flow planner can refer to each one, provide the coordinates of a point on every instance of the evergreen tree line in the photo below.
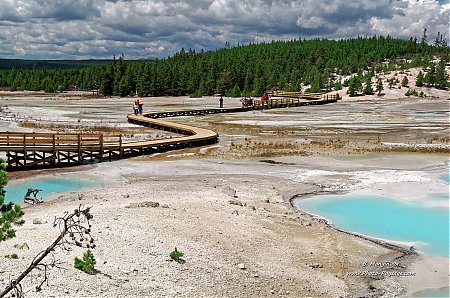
(56, 64)
(241, 70)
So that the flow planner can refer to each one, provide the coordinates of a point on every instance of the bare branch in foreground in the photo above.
(75, 229)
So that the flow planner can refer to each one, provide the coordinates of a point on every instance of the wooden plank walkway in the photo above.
(43, 150)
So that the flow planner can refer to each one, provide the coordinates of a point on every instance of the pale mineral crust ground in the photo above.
(228, 206)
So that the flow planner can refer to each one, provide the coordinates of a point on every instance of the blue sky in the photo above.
(85, 29)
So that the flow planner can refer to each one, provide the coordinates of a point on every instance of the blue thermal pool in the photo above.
(16, 191)
(420, 223)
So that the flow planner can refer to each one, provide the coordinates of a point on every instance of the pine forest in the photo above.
(317, 65)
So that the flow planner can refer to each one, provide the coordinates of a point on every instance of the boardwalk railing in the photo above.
(294, 99)
(49, 149)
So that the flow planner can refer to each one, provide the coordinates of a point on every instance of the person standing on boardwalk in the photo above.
(140, 108)
(136, 107)
(269, 100)
(263, 101)
(221, 102)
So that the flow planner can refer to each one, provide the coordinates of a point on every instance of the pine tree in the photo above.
(391, 83)
(379, 87)
(420, 79)
(424, 37)
(427, 79)
(354, 86)
(441, 76)
(368, 90)
(258, 89)
(316, 85)
(11, 213)
(405, 82)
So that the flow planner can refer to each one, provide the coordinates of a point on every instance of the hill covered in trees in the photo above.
(252, 69)
(49, 64)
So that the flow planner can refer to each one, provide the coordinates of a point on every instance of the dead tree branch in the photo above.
(75, 229)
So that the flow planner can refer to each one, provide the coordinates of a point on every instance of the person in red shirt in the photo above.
(136, 107)
(263, 101)
(139, 106)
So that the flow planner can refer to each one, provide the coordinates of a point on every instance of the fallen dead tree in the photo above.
(75, 230)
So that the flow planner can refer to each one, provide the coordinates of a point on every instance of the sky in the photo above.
(99, 29)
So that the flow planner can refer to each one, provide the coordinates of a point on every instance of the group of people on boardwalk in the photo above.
(137, 107)
(247, 102)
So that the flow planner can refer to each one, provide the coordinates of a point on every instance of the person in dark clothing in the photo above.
(268, 101)
(221, 102)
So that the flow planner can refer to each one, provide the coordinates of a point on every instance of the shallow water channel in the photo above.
(16, 190)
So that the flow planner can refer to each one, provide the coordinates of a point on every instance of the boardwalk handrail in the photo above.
(190, 133)
(34, 140)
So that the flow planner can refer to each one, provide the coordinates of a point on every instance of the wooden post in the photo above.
(120, 146)
(53, 148)
(79, 147)
(24, 150)
(101, 147)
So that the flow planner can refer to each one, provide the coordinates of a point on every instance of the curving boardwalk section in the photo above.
(31, 150)
(193, 136)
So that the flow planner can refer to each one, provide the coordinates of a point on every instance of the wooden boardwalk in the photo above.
(43, 150)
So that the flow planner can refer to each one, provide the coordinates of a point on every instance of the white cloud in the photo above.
(51, 29)
(411, 19)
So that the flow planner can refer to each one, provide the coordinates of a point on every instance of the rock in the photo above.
(235, 212)
(38, 221)
(235, 202)
(23, 246)
(241, 266)
(315, 265)
(143, 204)
(165, 206)
(229, 191)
